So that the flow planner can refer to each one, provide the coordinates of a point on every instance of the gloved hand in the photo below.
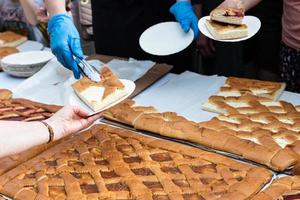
(185, 15)
(65, 41)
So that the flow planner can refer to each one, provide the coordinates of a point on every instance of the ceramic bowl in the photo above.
(25, 64)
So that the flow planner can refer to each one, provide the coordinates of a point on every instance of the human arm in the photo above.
(64, 37)
(30, 11)
(19, 136)
(185, 15)
(55, 7)
(244, 4)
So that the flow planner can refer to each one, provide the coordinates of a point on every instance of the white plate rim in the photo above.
(190, 36)
(203, 29)
(129, 86)
(50, 56)
(27, 46)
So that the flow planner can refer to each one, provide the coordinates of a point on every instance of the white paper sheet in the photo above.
(130, 70)
(184, 94)
(52, 84)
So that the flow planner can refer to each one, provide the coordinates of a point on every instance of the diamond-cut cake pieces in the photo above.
(234, 86)
(99, 95)
(269, 145)
(111, 163)
(11, 39)
(285, 188)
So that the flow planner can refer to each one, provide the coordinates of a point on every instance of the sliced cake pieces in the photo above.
(98, 95)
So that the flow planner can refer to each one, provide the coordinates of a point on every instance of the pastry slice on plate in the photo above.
(11, 39)
(98, 95)
(223, 31)
(228, 15)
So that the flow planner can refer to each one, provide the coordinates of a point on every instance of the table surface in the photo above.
(184, 93)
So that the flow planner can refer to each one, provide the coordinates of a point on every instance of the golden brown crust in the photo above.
(109, 81)
(227, 15)
(5, 94)
(247, 135)
(5, 51)
(224, 31)
(227, 11)
(285, 188)
(11, 39)
(124, 112)
(222, 27)
(111, 163)
(243, 86)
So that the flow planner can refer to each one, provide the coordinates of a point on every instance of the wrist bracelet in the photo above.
(50, 130)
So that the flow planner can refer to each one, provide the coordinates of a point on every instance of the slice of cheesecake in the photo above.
(98, 95)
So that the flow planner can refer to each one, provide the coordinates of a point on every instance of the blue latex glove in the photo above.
(185, 15)
(65, 41)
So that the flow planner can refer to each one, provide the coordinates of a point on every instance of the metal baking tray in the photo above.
(5, 197)
(199, 146)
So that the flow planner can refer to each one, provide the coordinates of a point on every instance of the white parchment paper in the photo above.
(52, 84)
(184, 94)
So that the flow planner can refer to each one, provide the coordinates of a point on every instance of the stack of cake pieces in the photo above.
(11, 39)
(8, 43)
(111, 163)
(227, 23)
(22, 110)
(240, 86)
(98, 95)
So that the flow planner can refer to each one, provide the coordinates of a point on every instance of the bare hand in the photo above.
(70, 120)
(232, 4)
(42, 15)
(206, 46)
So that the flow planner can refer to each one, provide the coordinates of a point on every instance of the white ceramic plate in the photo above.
(165, 39)
(76, 101)
(252, 22)
(30, 45)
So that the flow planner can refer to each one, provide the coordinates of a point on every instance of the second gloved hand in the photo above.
(65, 41)
(185, 15)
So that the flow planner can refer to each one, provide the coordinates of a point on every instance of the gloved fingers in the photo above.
(61, 59)
(185, 25)
(75, 47)
(70, 63)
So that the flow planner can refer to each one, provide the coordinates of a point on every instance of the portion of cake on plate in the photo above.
(227, 24)
(222, 31)
(98, 95)
(228, 15)
(11, 39)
